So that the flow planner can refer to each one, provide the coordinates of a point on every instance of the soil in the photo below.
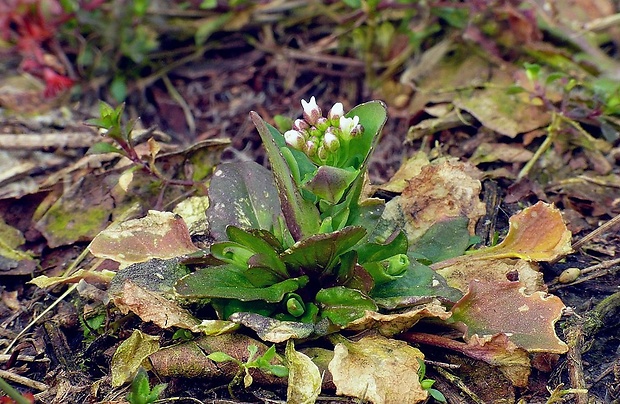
(71, 364)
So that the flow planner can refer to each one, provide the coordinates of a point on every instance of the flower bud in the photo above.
(300, 125)
(335, 113)
(322, 123)
(310, 148)
(396, 264)
(357, 130)
(331, 142)
(312, 112)
(294, 139)
(322, 152)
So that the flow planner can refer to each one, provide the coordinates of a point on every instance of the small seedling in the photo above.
(263, 363)
(427, 384)
(141, 392)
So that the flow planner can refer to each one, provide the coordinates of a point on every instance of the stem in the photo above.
(12, 393)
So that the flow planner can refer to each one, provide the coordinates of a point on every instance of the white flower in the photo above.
(347, 125)
(294, 139)
(336, 112)
(312, 112)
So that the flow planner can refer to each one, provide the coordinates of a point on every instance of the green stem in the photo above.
(12, 393)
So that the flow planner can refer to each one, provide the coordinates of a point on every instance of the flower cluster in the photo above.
(321, 138)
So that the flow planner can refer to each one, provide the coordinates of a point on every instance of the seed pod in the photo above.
(569, 275)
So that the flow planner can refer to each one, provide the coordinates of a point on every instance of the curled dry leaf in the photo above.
(304, 377)
(157, 235)
(378, 369)
(537, 233)
(392, 324)
(528, 320)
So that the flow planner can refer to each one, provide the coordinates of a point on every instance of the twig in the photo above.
(39, 317)
(601, 229)
(24, 381)
(584, 329)
(178, 98)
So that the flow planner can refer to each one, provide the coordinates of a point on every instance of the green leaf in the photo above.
(221, 357)
(443, 240)
(104, 147)
(302, 217)
(321, 252)
(330, 183)
(373, 116)
(343, 305)
(209, 26)
(230, 282)
(242, 194)
(370, 252)
(418, 281)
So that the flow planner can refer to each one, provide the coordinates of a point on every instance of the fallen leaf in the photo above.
(444, 189)
(130, 355)
(103, 277)
(378, 369)
(151, 306)
(495, 108)
(496, 350)
(538, 233)
(272, 330)
(467, 268)
(509, 153)
(392, 324)
(528, 320)
(304, 378)
(157, 235)
(408, 170)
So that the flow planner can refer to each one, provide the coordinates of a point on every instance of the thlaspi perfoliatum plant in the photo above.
(301, 244)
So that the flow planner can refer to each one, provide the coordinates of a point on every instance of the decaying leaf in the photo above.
(378, 369)
(192, 210)
(407, 170)
(528, 320)
(304, 377)
(151, 306)
(272, 330)
(392, 324)
(94, 277)
(130, 354)
(508, 114)
(157, 235)
(496, 350)
(538, 233)
(463, 270)
(442, 190)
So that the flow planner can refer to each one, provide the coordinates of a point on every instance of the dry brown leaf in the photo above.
(538, 233)
(150, 306)
(378, 369)
(466, 268)
(392, 324)
(443, 189)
